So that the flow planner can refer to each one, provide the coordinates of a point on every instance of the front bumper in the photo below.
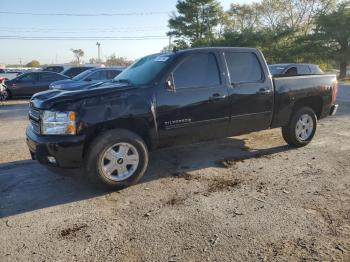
(334, 110)
(67, 151)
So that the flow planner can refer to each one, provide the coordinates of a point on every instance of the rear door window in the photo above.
(197, 70)
(243, 67)
(29, 77)
(75, 71)
(113, 73)
(56, 69)
(99, 75)
(303, 70)
(49, 77)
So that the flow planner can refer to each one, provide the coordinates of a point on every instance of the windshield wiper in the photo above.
(122, 81)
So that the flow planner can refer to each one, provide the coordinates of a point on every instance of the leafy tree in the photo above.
(195, 20)
(119, 61)
(78, 54)
(333, 35)
(33, 63)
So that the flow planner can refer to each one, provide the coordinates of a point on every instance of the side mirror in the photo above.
(170, 83)
(88, 79)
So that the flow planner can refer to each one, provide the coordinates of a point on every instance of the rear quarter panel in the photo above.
(290, 90)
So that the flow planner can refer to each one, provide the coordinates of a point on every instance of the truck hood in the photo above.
(71, 85)
(50, 98)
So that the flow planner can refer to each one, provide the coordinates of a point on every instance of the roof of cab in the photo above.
(218, 49)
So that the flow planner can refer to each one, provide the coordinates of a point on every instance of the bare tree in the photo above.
(78, 54)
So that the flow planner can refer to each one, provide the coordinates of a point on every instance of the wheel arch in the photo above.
(138, 126)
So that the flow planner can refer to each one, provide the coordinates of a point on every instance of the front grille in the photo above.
(34, 117)
(34, 114)
(35, 126)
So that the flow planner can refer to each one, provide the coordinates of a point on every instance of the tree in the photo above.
(78, 54)
(195, 20)
(33, 63)
(93, 61)
(243, 17)
(119, 61)
(333, 35)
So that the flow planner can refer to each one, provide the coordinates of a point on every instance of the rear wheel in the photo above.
(301, 129)
(116, 159)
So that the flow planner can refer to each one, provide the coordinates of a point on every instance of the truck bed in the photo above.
(315, 89)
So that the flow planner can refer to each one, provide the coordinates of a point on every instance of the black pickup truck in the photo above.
(170, 99)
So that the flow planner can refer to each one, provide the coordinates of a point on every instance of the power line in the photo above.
(82, 14)
(46, 31)
(93, 28)
(124, 38)
(77, 30)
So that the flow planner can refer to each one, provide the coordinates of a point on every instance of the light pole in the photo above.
(99, 52)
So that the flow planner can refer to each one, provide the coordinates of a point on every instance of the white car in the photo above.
(3, 93)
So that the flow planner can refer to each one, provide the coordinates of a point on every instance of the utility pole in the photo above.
(170, 43)
(99, 52)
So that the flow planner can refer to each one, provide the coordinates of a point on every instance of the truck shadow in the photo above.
(27, 186)
(172, 161)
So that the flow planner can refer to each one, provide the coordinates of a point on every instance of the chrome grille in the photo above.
(35, 126)
(34, 117)
(34, 114)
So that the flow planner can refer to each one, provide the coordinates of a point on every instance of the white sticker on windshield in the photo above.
(161, 58)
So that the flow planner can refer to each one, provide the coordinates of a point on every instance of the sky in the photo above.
(14, 51)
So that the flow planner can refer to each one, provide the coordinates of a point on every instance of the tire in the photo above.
(299, 132)
(119, 150)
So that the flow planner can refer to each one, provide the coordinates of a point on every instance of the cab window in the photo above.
(197, 70)
(243, 67)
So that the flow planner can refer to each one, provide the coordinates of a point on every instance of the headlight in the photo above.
(58, 123)
(55, 86)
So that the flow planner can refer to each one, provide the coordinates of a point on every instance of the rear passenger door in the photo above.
(251, 93)
(198, 107)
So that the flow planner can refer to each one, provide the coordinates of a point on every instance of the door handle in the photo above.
(216, 97)
(264, 91)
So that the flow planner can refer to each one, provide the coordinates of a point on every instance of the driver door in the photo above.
(197, 108)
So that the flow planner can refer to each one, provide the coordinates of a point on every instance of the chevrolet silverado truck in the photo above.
(169, 99)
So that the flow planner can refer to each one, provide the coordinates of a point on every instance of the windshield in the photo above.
(277, 69)
(82, 75)
(144, 70)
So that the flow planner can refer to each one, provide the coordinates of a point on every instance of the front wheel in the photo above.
(117, 158)
(301, 129)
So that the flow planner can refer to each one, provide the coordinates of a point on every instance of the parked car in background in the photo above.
(3, 94)
(87, 78)
(56, 68)
(169, 99)
(8, 75)
(30, 83)
(295, 69)
(70, 71)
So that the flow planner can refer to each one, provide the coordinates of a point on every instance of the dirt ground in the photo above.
(248, 198)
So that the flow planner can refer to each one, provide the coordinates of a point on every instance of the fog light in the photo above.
(52, 160)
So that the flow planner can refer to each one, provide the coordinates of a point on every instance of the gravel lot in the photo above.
(248, 198)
